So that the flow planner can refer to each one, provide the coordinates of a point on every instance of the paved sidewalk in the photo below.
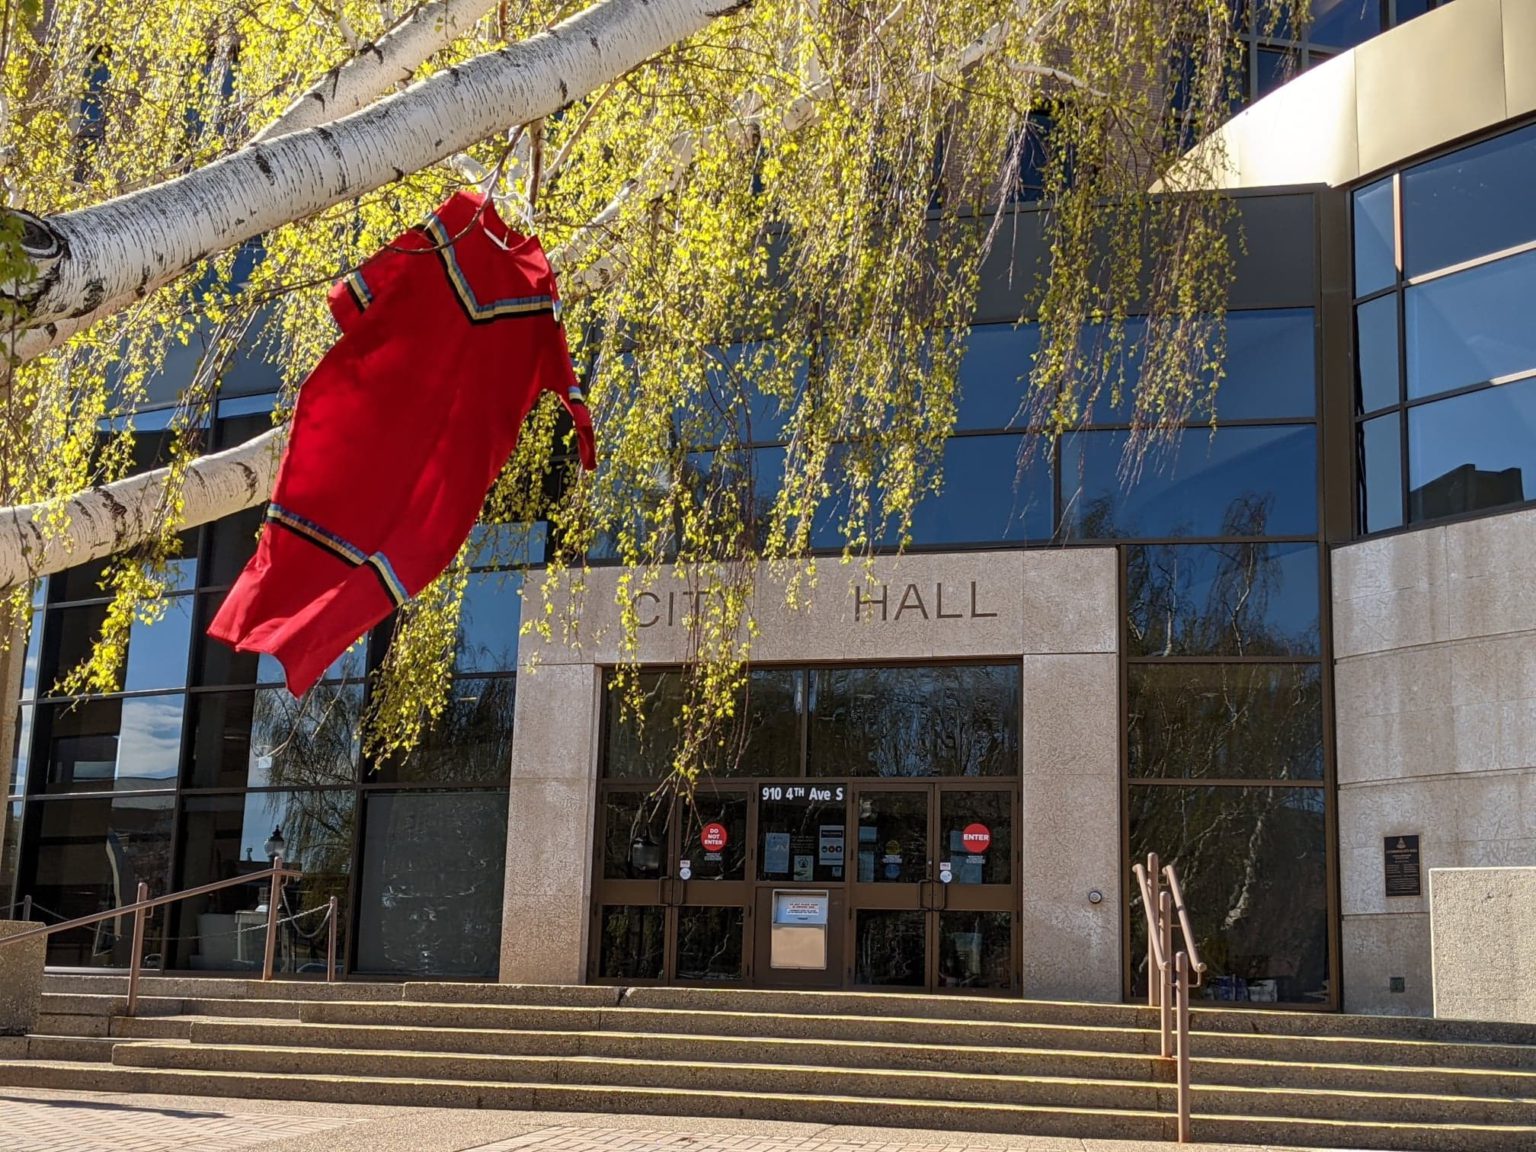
(40, 1120)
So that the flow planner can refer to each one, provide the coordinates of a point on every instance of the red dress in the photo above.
(448, 336)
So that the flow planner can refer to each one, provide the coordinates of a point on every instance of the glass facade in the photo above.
(1445, 395)
(1274, 50)
(184, 777)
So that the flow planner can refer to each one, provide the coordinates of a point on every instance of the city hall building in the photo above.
(1298, 655)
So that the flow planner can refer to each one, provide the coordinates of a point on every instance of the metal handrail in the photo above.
(144, 903)
(1169, 980)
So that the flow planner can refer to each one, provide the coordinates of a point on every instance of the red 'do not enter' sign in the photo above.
(976, 837)
(713, 837)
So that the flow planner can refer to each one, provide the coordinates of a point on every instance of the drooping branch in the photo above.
(116, 249)
(121, 515)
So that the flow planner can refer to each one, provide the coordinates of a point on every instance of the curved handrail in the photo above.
(1170, 975)
(1197, 965)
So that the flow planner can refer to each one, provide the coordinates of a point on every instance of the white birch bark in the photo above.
(358, 81)
(379, 66)
(118, 516)
(116, 249)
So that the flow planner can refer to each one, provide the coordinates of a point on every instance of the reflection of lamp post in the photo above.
(275, 844)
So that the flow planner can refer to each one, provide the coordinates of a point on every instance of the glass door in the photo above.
(932, 892)
(671, 888)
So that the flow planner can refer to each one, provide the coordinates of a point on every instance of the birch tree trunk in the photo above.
(118, 516)
(351, 85)
(116, 249)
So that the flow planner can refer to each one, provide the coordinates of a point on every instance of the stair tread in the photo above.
(787, 1098)
(823, 1070)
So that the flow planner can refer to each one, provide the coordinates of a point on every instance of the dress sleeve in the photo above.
(560, 378)
(355, 292)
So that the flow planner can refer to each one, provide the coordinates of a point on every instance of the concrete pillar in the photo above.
(550, 826)
(21, 979)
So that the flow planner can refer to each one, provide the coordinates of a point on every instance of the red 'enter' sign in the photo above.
(976, 837)
(713, 837)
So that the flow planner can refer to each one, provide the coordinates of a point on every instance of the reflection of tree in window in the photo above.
(310, 741)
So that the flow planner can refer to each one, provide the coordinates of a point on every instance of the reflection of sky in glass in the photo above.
(23, 751)
(507, 545)
(1491, 430)
(488, 624)
(1471, 327)
(347, 666)
(29, 665)
(157, 653)
(149, 741)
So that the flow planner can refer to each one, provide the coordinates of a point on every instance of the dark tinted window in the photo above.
(1472, 452)
(765, 741)
(1238, 599)
(994, 375)
(1376, 354)
(1233, 482)
(157, 653)
(959, 720)
(430, 887)
(1344, 23)
(1470, 203)
(1253, 864)
(267, 738)
(1226, 721)
(1381, 454)
(471, 743)
(1471, 327)
(110, 745)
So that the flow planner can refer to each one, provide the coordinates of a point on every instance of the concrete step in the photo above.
(109, 1005)
(935, 1032)
(757, 1104)
(223, 988)
(973, 1086)
(869, 1054)
(780, 1003)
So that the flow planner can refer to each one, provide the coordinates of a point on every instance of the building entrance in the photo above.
(881, 884)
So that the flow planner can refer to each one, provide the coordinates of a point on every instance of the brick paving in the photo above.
(84, 1125)
(50, 1120)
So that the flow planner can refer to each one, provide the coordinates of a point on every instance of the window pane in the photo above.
(1375, 238)
(22, 758)
(1470, 203)
(29, 667)
(1226, 721)
(157, 653)
(430, 891)
(1271, 369)
(71, 634)
(632, 942)
(115, 744)
(893, 837)
(1273, 68)
(1376, 383)
(795, 836)
(91, 854)
(992, 864)
(994, 375)
(1254, 868)
(1231, 482)
(988, 497)
(232, 542)
(1471, 452)
(508, 545)
(1471, 327)
(956, 720)
(489, 621)
(1344, 23)
(1381, 496)
(267, 738)
(890, 948)
(635, 836)
(471, 743)
(975, 949)
(764, 741)
(226, 836)
(1235, 599)
(729, 810)
(709, 943)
